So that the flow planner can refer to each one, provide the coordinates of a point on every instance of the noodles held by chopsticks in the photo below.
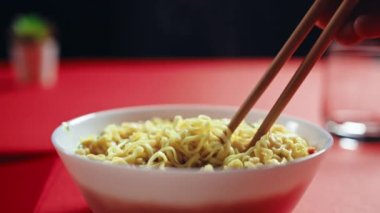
(192, 142)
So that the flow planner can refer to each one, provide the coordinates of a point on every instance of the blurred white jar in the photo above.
(36, 61)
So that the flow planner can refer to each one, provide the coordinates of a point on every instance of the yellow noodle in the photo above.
(192, 142)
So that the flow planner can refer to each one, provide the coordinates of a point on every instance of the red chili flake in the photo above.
(311, 150)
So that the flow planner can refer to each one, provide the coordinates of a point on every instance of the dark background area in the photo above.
(164, 28)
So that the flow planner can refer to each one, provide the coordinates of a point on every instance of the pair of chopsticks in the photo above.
(291, 45)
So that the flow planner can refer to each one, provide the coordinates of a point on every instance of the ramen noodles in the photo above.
(200, 142)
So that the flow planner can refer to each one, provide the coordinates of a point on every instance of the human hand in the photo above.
(363, 23)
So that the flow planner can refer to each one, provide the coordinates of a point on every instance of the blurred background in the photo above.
(163, 28)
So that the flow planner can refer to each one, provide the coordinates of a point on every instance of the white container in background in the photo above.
(35, 62)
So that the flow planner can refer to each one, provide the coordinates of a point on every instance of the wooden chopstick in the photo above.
(284, 54)
(304, 69)
(291, 45)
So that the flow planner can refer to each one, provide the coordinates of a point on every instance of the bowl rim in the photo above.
(170, 170)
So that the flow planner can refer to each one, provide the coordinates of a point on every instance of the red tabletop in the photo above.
(32, 113)
(22, 180)
(346, 182)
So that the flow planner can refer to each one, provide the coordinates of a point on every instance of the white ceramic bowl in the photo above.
(115, 188)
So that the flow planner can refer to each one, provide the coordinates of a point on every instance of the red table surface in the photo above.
(22, 180)
(346, 182)
(30, 114)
